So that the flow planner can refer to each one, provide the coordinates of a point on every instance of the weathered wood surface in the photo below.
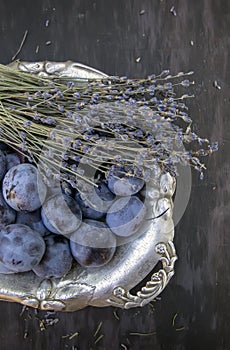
(194, 311)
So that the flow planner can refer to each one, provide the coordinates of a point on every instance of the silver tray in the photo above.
(109, 285)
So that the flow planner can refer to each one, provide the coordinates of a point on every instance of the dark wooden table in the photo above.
(136, 38)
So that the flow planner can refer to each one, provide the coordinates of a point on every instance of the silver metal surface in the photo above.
(132, 262)
(60, 69)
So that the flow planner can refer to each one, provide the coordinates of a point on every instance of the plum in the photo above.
(23, 189)
(126, 216)
(57, 260)
(21, 248)
(93, 244)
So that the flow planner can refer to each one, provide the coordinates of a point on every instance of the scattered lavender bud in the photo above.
(173, 11)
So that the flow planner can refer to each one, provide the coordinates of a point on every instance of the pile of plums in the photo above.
(45, 229)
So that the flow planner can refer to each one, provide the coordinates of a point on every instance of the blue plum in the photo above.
(21, 248)
(2, 164)
(12, 159)
(57, 260)
(93, 244)
(125, 217)
(123, 185)
(5, 270)
(61, 214)
(33, 220)
(23, 189)
(97, 201)
(7, 214)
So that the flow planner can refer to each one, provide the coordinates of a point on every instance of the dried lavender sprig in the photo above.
(37, 107)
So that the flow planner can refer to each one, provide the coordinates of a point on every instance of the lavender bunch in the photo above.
(69, 128)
